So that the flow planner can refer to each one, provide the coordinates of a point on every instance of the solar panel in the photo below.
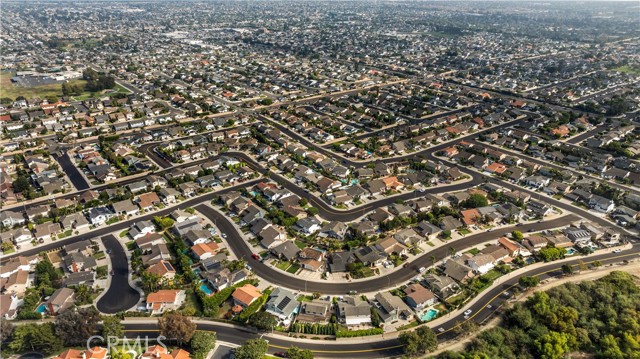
(284, 303)
(168, 266)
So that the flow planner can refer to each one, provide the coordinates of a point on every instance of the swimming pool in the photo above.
(571, 251)
(41, 308)
(429, 315)
(205, 288)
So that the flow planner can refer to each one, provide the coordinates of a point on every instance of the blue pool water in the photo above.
(205, 288)
(429, 315)
(41, 308)
(571, 251)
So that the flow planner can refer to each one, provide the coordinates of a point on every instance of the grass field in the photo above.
(8, 89)
(628, 69)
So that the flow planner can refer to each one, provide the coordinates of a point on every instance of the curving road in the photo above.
(242, 250)
(486, 305)
(120, 296)
(119, 226)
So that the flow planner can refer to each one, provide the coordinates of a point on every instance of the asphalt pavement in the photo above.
(73, 172)
(120, 296)
(487, 304)
(275, 276)
(119, 226)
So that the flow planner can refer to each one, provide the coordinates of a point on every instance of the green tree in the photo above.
(35, 337)
(6, 329)
(312, 211)
(177, 326)
(120, 354)
(163, 222)
(297, 353)
(46, 275)
(609, 348)
(84, 295)
(263, 321)
(553, 345)
(76, 325)
(567, 269)
(421, 341)
(202, 343)
(112, 327)
(528, 282)
(6, 246)
(475, 200)
(252, 349)
(517, 236)
(21, 184)
(150, 281)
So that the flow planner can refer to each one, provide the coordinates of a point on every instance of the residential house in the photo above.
(282, 303)
(481, 263)
(165, 300)
(86, 277)
(141, 229)
(61, 300)
(286, 250)
(100, 215)
(392, 308)
(317, 311)
(458, 270)
(146, 201)
(203, 251)
(370, 255)
(76, 262)
(162, 269)
(353, 311)
(245, 295)
(444, 287)
(125, 208)
(419, 297)
(601, 204)
(17, 283)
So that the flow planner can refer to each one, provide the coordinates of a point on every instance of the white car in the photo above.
(422, 269)
(467, 312)
(441, 330)
(617, 251)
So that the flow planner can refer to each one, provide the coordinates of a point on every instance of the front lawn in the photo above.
(473, 251)
(294, 268)
(464, 231)
(283, 265)
(112, 220)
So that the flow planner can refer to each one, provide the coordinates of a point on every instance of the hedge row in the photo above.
(358, 333)
(315, 328)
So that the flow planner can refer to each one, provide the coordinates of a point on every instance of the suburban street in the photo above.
(366, 347)
(350, 178)
(119, 296)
